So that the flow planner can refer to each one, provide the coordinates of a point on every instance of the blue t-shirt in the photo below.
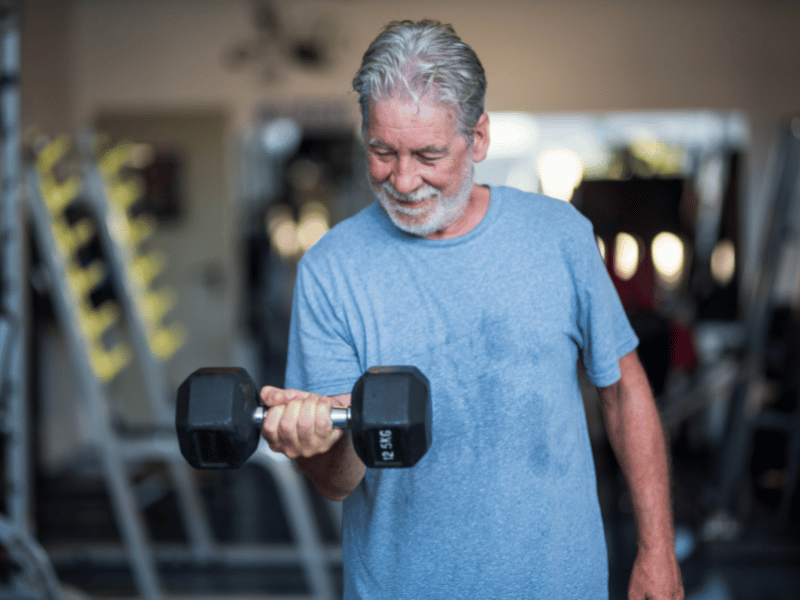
(504, 504)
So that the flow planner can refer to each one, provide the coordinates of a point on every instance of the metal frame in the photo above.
(35, 578)
(97, 409)
(14, 285)
(119, 259)
(118, 452)
(780, 230)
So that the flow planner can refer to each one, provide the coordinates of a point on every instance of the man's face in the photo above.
(420, 165)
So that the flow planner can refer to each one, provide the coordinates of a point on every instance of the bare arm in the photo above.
(637, 438)
(298, 425)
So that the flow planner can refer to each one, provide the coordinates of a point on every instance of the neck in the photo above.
(477, 207)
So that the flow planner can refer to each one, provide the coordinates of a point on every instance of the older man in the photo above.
(497, 296)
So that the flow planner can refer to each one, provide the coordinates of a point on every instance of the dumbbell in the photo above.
(219, 416)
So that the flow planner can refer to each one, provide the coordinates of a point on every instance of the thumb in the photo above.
(272, 396)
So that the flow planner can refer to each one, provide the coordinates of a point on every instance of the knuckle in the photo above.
(269, 430)
(305, 420)
(314, 448)
(285, 429)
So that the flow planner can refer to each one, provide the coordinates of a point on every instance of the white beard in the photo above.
(438, 213)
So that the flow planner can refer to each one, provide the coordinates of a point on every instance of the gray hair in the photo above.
(414, 58)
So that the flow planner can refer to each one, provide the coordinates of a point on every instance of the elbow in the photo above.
(335, 497)
(610, 396)
(337, 489)
(331, 493)
(334, 488)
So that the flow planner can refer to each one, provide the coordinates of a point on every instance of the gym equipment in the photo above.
(96, 321)
(82, 280)
(154, 306)
(124, 193)
(27, 570)
(98, 360)
(53, 152)
(146, 267)
(780, 238)
(107, 363)
(70, 238)
(219, 417)
(111, 192)
(138, 229)
(135, 315)
(57, 196)
(165, 341)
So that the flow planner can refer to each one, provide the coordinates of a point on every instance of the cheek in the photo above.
(378, 171)
(441, 176)
(451, 180)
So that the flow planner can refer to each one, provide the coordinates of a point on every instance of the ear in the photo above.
(480, 138)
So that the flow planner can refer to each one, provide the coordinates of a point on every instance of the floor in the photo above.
(74, 511)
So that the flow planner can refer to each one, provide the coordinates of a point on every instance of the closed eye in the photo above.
(431, 153)
(381, 151)
(427, 157)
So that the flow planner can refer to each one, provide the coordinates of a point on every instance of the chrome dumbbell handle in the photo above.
(340, 417)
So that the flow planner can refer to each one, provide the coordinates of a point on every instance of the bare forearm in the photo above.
(298, 424)
(637, 438)
(336, 473)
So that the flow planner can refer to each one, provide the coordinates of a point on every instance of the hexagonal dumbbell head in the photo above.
(214, 418)
(391, 416)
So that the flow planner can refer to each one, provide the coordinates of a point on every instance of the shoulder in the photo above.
(349, 240)
(553, 231)
(347, 234)
(549, 215)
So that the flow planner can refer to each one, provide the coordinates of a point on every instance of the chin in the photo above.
(432, 222)
(420, 226)
(433, 213)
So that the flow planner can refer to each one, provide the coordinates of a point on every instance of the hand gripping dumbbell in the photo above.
(219, 416)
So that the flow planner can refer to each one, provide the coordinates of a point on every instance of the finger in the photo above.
(322, 419)
(287, 429)
(306, 425)
(327, 434)
(269, 427)
(272, 396)
(332, 437)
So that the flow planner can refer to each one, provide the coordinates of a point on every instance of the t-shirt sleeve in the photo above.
(606, 333)
(321, 356)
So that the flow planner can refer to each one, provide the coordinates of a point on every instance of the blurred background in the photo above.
(167, 162)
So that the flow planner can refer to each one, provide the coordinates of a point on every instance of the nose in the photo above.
(405, 175)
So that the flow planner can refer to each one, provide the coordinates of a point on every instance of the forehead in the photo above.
(404, 116)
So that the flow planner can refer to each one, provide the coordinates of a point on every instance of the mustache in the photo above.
(421, 193)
